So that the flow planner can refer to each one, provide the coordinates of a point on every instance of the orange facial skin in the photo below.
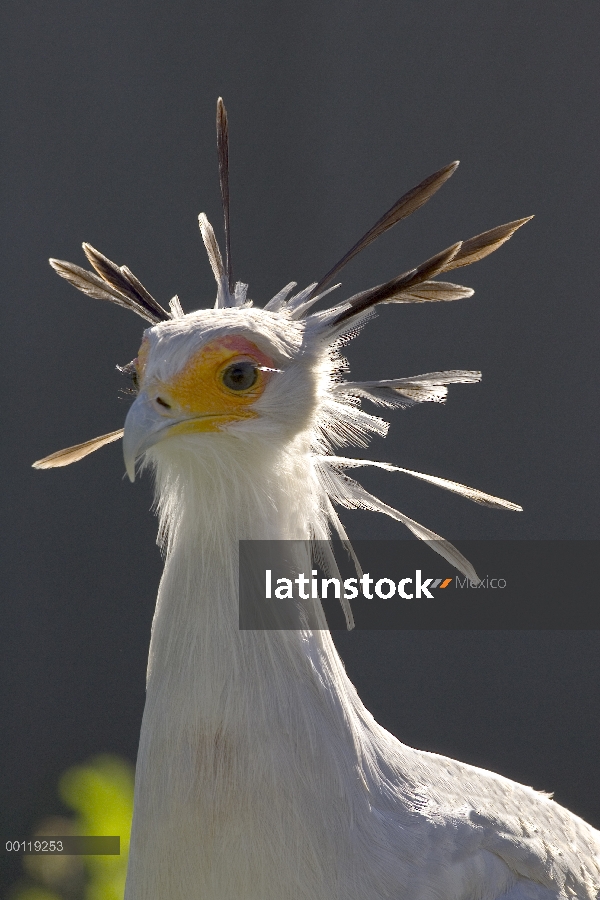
(198, 393)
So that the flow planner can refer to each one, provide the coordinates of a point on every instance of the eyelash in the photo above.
(131, 371)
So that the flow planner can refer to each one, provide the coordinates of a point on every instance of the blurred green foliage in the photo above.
(100, 793)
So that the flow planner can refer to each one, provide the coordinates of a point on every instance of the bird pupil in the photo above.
(240, 376)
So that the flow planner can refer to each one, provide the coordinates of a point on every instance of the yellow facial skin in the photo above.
(198, 392)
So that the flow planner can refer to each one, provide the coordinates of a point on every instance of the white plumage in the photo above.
(260, 773)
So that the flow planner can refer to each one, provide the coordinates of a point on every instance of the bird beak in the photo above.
(144, 427)
(147, 424)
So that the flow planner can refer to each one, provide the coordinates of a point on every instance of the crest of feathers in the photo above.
(318, 338)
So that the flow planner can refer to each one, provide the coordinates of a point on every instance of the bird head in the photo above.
(274, 376)
(235, 372)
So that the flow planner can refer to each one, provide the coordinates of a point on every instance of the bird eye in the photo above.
(240, 376)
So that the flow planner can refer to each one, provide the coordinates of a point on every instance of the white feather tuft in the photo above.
(216, 262)
(431, 387)
(276, 302)
(176, 308)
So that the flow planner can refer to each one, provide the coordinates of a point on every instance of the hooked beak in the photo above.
(144, 427)
(149, 422)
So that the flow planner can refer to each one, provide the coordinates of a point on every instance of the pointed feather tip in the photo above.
(92, 254)
(40, 464)
(443, 174)
(484, 244)
(518, 223)
(212, 247)
(447, 172)
(77, 451)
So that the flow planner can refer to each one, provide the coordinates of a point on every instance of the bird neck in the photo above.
(253, 739)
(215, 500)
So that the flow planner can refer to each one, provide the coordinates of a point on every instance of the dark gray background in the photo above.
(335, 109)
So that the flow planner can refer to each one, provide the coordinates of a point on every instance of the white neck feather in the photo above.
(237, 723)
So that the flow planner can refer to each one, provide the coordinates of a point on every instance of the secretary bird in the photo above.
(260, 774)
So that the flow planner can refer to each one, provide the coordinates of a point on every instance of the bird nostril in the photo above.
(163, 403)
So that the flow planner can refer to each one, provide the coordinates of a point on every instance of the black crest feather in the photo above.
(407, 204)
(117, 284)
